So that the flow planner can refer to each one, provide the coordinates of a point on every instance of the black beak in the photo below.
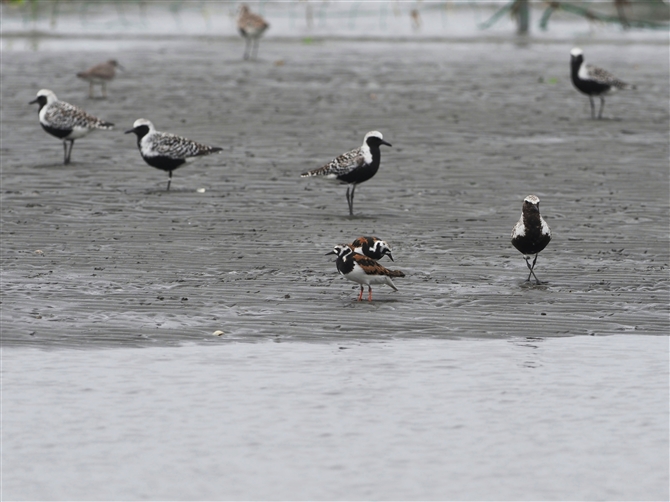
(385, 143)
(389, 255)
(331, 252)
(129, 131)
(33, 101)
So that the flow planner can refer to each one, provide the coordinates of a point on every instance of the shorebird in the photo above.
(362, 270)
(531, 234)
(100, 74)
(166, 151)
(372, 247)
(593, 81)
(65, 121)
(251, 26)
(355, 166)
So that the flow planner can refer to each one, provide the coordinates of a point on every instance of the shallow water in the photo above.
(580, 418)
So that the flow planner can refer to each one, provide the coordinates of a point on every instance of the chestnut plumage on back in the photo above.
(363, 270)
(372, 247)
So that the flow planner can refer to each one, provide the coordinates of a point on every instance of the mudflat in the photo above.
(97, 253)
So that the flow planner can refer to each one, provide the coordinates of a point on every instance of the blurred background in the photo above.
(327, 18)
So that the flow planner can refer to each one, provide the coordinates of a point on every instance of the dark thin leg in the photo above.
(593, 108)
(351, 200)
(369, 293)
(531, 267)
(602, 107)
(360, 295)
(169, 181)
(68, 152)
(64, 152)
(351, 208)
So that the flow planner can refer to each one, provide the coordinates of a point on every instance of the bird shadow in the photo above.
(533, 285)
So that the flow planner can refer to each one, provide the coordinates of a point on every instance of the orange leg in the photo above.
(360, 295)
(369, 293)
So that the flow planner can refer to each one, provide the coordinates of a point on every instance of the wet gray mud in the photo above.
(97, 253)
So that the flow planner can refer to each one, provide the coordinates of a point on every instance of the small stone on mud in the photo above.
(218, 332)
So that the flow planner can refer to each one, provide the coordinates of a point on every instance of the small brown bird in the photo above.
(100, 74)
(251, 26)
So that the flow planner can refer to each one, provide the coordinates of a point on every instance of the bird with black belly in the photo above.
(166, 151)
(353, 167)
(65, 121)
(593, 81)
(531, 233)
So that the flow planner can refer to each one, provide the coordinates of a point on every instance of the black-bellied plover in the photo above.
(166, 151)
(362, 270)
(100, 74)
(531, 234)
(251, 26)
(372, 247)
(65, 121)
(593, 81)
(354, 167)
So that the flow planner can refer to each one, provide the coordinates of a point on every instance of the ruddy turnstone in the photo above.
(362, 270)
(372, 247)
(531, 234)
(251, 26)
(166, 151)
(355, 166)
(100, 74)
(593, 81)
(65, 121)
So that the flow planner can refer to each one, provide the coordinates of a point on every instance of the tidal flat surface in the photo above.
(98, 253)
(573, 418)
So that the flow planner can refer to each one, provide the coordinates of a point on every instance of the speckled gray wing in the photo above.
(176, 147)
(61, 115)
(604, 77)
(342, 165)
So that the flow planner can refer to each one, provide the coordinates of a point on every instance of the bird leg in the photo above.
(531, 267)
(352, 199)
(360, 295)
(255, 48)
(593, 108)
(169, 181)
(247, 47)
(369, 293)
(349, 202)
(67, 152)
(602, 106)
